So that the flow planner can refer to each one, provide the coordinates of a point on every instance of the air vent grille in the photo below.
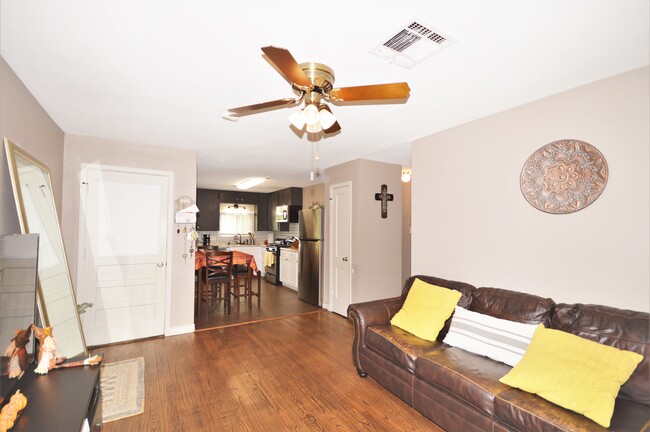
(411, 44)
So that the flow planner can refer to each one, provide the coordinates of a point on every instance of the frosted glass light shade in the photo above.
(311, 114)
(326, 119)
(297, 119)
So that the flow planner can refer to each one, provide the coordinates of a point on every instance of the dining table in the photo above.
(238, 257)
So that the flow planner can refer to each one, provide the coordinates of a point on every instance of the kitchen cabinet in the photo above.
(236, 197)
(207, 201)
(273, 203)
(289, 268)
(290, 197)
(256, 250)
(263, 221)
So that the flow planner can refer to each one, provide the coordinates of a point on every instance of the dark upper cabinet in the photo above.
(207, 201)
(273, 203)
(263, 213)
(237, 197)
(290, 196)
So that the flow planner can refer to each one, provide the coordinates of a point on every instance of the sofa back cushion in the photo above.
(623, 329)
(512, 305)
(465, 289)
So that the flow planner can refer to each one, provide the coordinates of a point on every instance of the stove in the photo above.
(272, 272)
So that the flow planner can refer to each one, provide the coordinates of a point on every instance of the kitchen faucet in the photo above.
(237, 238)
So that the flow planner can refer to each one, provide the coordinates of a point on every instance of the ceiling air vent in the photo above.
(411, 44)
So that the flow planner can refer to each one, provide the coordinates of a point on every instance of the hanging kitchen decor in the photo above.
(564, 176)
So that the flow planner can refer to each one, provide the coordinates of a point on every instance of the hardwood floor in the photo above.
(277, 301)
(294, 373)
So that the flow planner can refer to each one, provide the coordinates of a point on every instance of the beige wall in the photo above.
(471, 222)
(313, 194)
(406, 230)
(82, 149)
(25, 122)
(376, 259)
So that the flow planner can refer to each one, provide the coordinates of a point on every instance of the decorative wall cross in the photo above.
(384, 197)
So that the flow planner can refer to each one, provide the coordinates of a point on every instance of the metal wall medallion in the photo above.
(564, 176)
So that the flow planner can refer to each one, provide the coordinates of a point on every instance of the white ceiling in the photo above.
(163, 72)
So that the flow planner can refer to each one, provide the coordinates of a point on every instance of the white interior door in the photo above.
(341, 229)
(123, 252)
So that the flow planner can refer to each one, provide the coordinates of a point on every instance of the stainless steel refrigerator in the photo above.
(310, 260)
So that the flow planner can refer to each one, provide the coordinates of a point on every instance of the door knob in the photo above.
(160, 264)
(345, 259)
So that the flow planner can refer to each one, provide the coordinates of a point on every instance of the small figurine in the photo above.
(47, 356)
(17, 353)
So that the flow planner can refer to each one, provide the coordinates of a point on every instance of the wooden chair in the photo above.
(251, 292)
(241, 280)
(216, 273)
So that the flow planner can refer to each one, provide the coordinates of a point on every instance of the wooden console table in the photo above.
(61, 400)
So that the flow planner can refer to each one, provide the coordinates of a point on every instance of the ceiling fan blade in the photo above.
(284, 61)
(370, 92)
(264, 106)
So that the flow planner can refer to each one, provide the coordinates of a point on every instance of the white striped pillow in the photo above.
(501, 340)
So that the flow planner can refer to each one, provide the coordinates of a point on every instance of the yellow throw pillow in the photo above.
(426, 309)
(574, 373)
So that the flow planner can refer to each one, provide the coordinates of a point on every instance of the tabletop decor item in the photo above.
(564, 176)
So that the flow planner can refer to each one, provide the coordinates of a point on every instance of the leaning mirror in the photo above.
(37, 214)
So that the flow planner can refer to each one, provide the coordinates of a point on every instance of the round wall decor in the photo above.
(564, 176)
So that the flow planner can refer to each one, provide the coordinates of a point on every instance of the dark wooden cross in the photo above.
(384, 197)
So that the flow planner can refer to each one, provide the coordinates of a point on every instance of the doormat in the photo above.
(122, 385)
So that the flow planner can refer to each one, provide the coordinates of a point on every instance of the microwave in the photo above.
(282, 213)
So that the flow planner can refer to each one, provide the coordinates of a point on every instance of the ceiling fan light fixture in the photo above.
(311, 114)
(297, 119)
(326, 119)
(314, 128)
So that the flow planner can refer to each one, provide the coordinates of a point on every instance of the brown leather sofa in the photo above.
(460, 391)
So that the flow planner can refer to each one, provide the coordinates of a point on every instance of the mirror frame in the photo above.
(13, 150)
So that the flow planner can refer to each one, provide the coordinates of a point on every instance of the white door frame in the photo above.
(170, 205)
(331, 253)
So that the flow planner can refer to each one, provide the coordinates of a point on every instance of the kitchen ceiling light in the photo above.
(249, 183)
(406, 175)
(297, 119)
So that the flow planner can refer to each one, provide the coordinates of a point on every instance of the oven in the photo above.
(272, 270)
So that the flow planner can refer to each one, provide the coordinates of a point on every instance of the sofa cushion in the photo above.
(398, 345)
(512, 305)
(465, 289)
(623, 329)
(426, 309)
(527, 412)
(574, 372)
(468, 376)
(501, 340)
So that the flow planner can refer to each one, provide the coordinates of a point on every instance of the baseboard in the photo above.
(326, 307)
(174, 331)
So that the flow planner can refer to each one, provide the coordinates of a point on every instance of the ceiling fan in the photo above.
(314, 83)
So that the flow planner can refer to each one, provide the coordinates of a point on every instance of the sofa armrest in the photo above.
(366, 314)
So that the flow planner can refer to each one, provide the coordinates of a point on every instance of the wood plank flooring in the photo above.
(294, 374)
(277, 301)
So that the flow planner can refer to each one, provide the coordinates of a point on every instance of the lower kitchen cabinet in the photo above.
(255, 250)
(289, 268)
